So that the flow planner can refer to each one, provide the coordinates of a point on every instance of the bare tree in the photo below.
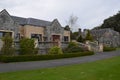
(72, 22)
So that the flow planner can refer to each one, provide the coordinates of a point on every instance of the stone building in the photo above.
(107, 37)
(43, 31)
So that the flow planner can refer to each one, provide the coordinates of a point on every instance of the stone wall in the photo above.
(94, 46)
(54, 29)
(107, 37)
(44, 46)
(7, 23)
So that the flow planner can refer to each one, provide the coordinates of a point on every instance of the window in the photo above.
(18, 36)
(37, 36)
(66, 38)
(2, 34)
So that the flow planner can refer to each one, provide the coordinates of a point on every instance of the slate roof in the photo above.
(31, 21)
(37, 22)
(20, 20)
(102, 32)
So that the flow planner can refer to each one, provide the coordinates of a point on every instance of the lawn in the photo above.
(118, 48)
(108, 69)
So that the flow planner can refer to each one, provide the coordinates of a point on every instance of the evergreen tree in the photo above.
(67, 28)
(112, 22)
(80, 39)
(89, 36)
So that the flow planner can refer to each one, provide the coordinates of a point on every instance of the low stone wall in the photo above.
(44, 46)
(94, 46)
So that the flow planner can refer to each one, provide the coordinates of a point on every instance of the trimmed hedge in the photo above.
(107, 49)
(23, 58)
(73, 49)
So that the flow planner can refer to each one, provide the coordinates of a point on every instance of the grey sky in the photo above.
(90, 13)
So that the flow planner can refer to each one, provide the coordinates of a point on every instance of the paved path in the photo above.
(8, 67)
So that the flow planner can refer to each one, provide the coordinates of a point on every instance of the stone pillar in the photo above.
(100, 47)
(36, 43)
(1, 44)
(59, 43)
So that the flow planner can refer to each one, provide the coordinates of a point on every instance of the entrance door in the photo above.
(56, 38)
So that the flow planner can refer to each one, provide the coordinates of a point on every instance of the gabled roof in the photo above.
(4, 11)
(31, 21)
(56, 21)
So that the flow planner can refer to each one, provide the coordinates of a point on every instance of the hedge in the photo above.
(107, 49)
(23, 58)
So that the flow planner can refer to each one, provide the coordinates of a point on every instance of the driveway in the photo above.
(9, 67)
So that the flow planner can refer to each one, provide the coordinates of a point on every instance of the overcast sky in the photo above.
(90, 13)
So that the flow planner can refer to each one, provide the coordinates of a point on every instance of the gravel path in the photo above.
(8, 67)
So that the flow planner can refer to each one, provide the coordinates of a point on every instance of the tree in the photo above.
(97, 27)
(89, 36)
(7, 48)
(80, 39)
(67, 28)
(74, 35)
(112, 22)
(72, 22)
(27, 46)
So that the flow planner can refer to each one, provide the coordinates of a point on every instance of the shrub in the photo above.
(80, 39)
(108, 48)
(7, 48)
(55, 50)
(27, 46)
(73, 47)
(72, 44)
(23, 58)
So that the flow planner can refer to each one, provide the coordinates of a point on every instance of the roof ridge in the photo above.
(38, 19)
(18, 17)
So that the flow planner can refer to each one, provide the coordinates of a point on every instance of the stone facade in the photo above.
(44, 31)
(7, 24)
(106, 36)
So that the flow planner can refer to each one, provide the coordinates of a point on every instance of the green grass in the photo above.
(108, 69)
(118, 48)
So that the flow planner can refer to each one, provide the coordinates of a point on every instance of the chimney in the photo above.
(79, 31)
